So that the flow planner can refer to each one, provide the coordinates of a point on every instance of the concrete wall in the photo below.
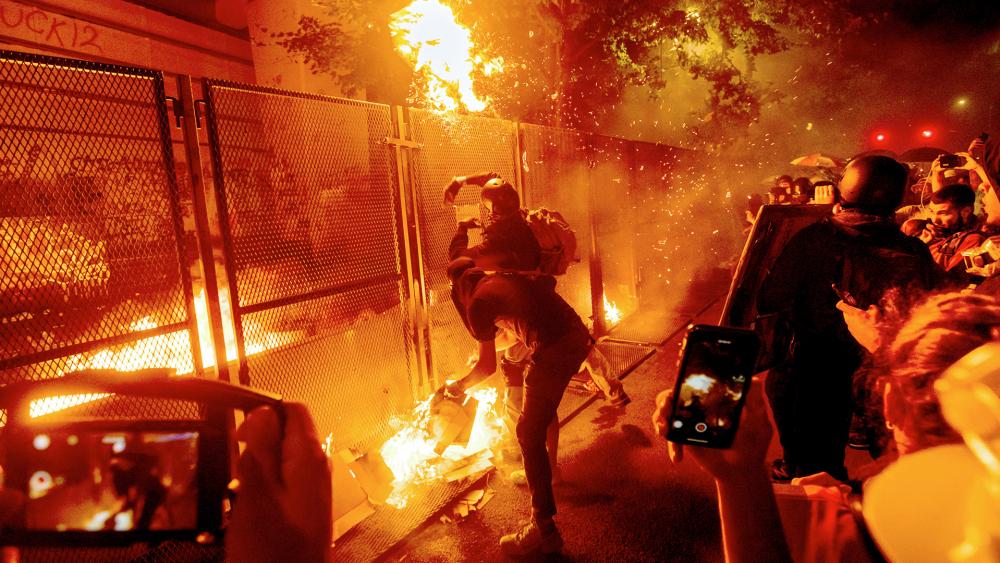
(115, 31)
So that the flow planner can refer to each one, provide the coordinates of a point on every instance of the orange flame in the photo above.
(440, 49)
(170, 350)
(410, 454)
(611, 312)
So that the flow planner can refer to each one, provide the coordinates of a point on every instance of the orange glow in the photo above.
(170, 351)
(611, 312)
(410, 454)
(441, 51)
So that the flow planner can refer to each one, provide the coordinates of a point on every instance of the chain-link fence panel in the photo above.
(452, 145)
(92, 274)
(611, 213)
(308, 206)
(556, 176)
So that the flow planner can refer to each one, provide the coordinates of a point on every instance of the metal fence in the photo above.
(451, 146)
(94, 269)
(324, 219)
(93, 250)
(308, 208)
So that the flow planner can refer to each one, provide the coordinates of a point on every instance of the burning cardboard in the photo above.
(374, 476)
(450, 440)
(451, 422)
(350, 503)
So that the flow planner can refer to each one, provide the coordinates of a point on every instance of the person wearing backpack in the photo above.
(856, 254)
(508, 241)
(538, 244)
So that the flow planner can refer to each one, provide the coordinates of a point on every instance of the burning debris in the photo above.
(611, 312)
(449, 440)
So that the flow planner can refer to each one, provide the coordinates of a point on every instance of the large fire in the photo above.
(441, 51)
(411, 453)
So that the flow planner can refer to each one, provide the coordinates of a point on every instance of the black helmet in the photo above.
(502, 196)
(873, 184)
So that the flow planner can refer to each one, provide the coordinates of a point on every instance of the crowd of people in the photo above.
(881, 297)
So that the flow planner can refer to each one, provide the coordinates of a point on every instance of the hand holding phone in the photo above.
(748, 450)
(716, 367)
(951, 161)
(283, 508)
(92, 480)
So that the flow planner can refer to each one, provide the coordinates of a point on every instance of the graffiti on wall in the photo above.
(49, 28)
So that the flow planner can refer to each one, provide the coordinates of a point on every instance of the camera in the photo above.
(79, 480)
(951, 161)
(982, 255)
(716, 367)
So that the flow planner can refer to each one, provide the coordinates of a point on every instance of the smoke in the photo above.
(901, 75)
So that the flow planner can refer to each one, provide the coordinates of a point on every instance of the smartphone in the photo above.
(716, 367)
(133, 481)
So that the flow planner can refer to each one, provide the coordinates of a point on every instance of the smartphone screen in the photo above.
(715, 371)
(101, 481)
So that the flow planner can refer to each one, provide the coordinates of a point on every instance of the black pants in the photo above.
(812, 406)
(552, 366)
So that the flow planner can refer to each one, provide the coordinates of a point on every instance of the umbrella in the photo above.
(817, 160)
(921, 154)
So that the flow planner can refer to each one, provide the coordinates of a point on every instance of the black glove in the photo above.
(452, 189)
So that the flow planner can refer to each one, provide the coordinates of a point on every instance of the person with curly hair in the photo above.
(912, 355)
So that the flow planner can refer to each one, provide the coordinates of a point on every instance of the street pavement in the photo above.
(621, 498)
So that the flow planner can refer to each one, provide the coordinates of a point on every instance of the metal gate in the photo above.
(449, 146)
(308, 206)
(94, 274)
(94, 257)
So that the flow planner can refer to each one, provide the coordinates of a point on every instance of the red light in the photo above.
(927, 133)
(880, 137)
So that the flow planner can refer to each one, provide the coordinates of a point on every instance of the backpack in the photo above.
(555, 238)
(867, 271)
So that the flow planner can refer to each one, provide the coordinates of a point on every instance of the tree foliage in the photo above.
(568, 62)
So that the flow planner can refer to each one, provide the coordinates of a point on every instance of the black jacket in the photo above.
(508, 244)
(861, 255)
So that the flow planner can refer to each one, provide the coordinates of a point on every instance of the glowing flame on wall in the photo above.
(410, 454)
(440, 50)
(611, 312)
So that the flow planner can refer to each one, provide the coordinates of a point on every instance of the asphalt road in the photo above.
(621, 499)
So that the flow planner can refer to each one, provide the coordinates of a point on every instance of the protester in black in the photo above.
(531, 311)
(860, 253)
(508, 243)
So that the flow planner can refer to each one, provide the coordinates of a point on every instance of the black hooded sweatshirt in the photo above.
(861, 254)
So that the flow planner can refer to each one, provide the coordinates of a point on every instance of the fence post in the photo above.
(203, 230)
(596, 273)
(412, 258)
